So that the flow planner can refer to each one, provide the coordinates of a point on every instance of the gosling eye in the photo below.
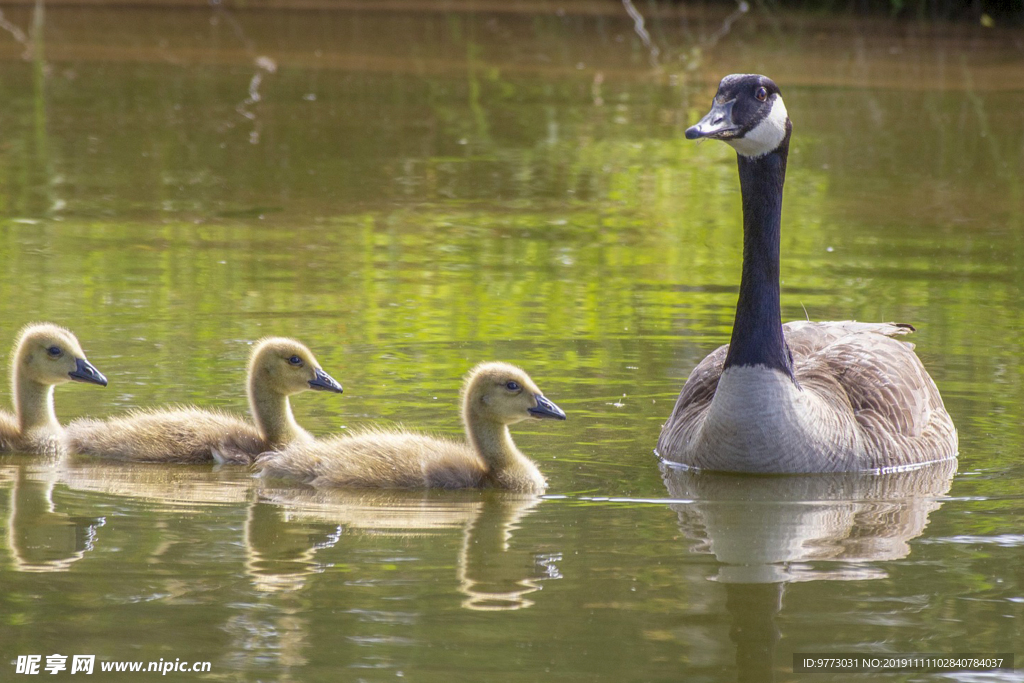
(296, 361)
(761, 94)
(55, 352)
(512, 385)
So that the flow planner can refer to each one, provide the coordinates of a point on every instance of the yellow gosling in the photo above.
(44, 356)
(494, 396)
(278, 368)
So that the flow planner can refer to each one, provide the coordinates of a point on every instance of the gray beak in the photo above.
(85, 372)
(546, 409)
(716, 124)
(324, 382)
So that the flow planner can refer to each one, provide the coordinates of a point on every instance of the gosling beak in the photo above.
(716, 124)
(85, 372)
(546, 409)
(324, 382)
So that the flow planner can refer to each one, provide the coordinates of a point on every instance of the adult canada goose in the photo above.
(278, 368)
(44, 356)
(494, 396)
(800, 397)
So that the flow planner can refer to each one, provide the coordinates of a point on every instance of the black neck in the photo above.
(757, 333)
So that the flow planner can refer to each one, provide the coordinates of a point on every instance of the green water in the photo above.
(419, 190)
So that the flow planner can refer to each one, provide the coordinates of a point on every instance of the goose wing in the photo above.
(895, 403)
(805, 337)
(869, 381)
(692, 405)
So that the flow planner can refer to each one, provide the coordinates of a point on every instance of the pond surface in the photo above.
(414, 191)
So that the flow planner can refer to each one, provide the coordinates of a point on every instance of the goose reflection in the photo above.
(288, 527)
(39, 537)
(769, 531)
(763, 528)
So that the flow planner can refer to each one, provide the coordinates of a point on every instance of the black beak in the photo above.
(324, 382)
(717, 123)
(85, 372)
(546, 409)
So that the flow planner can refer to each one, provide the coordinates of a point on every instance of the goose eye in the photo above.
(761, 94)
(54, 352)
(512, 385)
(295, 360)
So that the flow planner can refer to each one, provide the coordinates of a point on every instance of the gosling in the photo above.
(494, 396)
(278, 368)
(44, 356)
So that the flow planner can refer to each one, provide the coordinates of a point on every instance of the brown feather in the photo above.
(877, 392)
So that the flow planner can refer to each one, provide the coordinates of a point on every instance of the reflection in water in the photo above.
(279, 555)
(753, 608)
(762, 528)
(40, 538)
(174, 488)
(282, 538)
(764, 531)
(490, 574)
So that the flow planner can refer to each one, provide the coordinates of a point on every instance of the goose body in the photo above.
(278, 368)
(802, 397)
(495, 395)
(44, 356)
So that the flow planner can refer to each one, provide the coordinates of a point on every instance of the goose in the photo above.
(44, 356)
(494, 396)
(278, 368)
(803, 397)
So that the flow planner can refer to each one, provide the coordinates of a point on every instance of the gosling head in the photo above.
(47, 354)
(747, 113)
(286, 367)
(502, 393)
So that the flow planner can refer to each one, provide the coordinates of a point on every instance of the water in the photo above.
(415, 191)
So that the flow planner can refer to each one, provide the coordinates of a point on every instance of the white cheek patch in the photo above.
(765, 136)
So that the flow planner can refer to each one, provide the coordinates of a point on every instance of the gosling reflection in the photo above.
(181, 488)
(289, 527)
(490, 573)
(40, 538)
(279, 555)
(769, 531)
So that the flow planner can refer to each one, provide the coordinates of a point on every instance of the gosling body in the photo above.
(278, 368)
(495, 395)
(802, 397)
(44, 356)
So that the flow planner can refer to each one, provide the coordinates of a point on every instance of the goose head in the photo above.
(504, 394)
(748, 114)
(47, 354)
(286, 367)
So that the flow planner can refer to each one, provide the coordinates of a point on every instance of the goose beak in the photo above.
(324, 382)
(546, 409)
(85, 372)
(716, 124)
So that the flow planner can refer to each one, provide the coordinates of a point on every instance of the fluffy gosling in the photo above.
(494, 396)
(278, 368)
(44, 356)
